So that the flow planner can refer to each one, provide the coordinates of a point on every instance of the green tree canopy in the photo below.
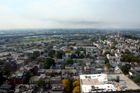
(73, 56)
(50, 74)
(113, 47)
(40, 82)
(101, 51)
(107, 52)
(69, 61)
(33, 57)
(137, 79)
(106, 60)
(81, 56)
(78, 51)
(109, 65)
(31, 74)
(51, 53)
(124, 69)
(103, 37)
(48, 62)
(59, 54)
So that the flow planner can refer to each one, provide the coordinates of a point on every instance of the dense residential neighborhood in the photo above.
(72, 62)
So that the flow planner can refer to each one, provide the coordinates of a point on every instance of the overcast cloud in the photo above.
(69, 14)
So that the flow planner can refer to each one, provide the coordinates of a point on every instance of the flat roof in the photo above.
(123, 79)
(106, 82)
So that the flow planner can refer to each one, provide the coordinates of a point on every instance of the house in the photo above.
(57, 88)
(11, 66)
(60, 61)
(20, 88)
(20, 63)
(55, 80)
(117, 70)
(87, 69)
(19, 77)
(6, 88)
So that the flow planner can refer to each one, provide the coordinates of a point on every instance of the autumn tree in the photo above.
(68, 51)
(76, 83)
(76, 89)
(67, 85)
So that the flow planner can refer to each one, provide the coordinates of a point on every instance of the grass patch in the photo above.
(32, 39)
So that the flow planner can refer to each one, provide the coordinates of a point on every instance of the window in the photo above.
(46, 85)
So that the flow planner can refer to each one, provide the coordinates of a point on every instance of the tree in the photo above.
(109, 65)
(48, 63)
(69, 61)
(127, 51)
(40, 82)
(67, 85)
(81, 56)
(7, 73)
(59, 54)
(103, 37)
(101, 51)
(127, 60)
(33, 57)
(107, 52)
(137, 79)
(63, 67)
(73, 56)
(135, 59)
(43, 60)
(113, 47)
(81, 49)
(51, 53)
(124, 69)
(76, 83)
(68, 51)
(76, 89)
(1, 63)
(78, 51)
(50, 74)
(31, 74)
(87, 55)
(114, 41)
(106, 60)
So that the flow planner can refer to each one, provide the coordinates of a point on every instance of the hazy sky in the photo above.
(69, 14)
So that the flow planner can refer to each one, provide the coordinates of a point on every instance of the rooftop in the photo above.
(106, 82)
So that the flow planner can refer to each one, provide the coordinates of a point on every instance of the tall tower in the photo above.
(118, 33)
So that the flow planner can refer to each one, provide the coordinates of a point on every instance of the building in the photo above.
(92, 83)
